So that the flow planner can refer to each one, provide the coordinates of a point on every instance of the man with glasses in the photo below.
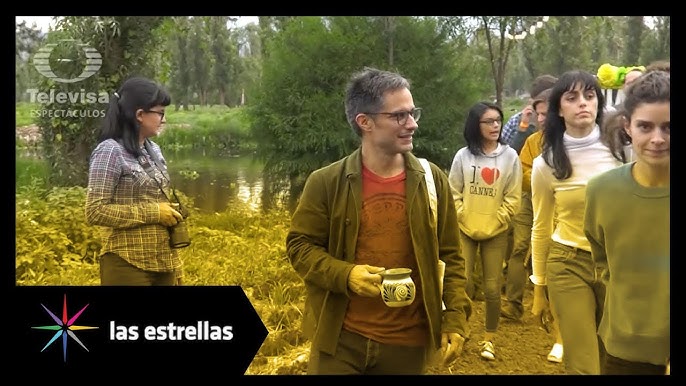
(366, 213)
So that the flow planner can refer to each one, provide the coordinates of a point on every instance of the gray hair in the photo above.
(365, 93)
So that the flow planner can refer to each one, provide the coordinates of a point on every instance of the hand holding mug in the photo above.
(397, 287)
(364, 280)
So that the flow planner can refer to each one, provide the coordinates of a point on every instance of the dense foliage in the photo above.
(291, 72)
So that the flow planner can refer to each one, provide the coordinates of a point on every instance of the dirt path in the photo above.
(521, 347)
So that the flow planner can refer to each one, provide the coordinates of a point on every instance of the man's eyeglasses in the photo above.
(491, 122)
(401, 116)
(160, 113)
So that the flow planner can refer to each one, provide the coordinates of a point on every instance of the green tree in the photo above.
(493, 39)
(222, 52)
(249, 65)
(27, 41)
(298, 116)
(634, 35)
(493, 30)
(127, 46)
(656, 41)
(269, 27)
(200, 60)
(603, 40)
(598, 43)
(570, 51)
(180, 81)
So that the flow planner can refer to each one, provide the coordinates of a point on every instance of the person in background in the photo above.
(368, 212)
(525, 120)
(627, 222)
(517, 273)
(630, 77)
(522, 134)
(658, 65)
(127, 201)
(572, 153)
(614, 134)
(516, 277)
(486, 179)
(514, 133)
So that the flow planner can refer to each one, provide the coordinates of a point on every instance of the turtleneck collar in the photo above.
(572, 143)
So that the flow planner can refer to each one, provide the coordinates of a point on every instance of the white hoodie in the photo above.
(487, 190)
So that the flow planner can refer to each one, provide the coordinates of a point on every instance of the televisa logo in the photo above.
(41, 61)
(73, 56)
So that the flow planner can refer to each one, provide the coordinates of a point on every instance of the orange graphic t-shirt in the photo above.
(384, 241)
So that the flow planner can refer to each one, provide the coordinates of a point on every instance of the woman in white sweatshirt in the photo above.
(486, 179)
(572, 153)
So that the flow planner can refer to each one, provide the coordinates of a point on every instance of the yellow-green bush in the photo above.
(239, 246)
(51, 232)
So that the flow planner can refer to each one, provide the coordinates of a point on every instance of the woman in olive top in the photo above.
(627, 223)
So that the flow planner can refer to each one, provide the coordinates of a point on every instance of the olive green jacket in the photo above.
(322, 240)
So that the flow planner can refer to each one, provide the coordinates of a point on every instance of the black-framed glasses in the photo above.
(401, 116)
(491, 122)
(160, 113)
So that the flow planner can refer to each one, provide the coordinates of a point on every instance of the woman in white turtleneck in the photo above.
(572, 153)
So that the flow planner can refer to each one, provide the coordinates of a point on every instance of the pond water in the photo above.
(214, 182)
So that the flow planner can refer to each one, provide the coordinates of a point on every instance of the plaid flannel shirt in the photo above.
(511, 127)
(124, 199)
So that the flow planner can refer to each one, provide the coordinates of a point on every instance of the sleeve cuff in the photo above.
(151, 215)
(537, 280)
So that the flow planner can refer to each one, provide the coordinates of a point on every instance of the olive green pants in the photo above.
(116, 271)
(577, 296)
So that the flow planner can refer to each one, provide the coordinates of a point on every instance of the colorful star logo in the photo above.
(64, 327)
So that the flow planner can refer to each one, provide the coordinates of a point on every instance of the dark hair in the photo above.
(365, 93)
(612, 133)
(651, 87)
(658, 65)
(120, 122)
(554, 152)
(542, 82)
(472, 127)
(543, 96)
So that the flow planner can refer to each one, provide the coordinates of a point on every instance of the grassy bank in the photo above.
(55, 246)
(209, 127)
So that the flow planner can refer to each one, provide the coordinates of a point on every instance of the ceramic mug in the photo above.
(397, 287)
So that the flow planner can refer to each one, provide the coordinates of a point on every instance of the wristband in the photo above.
(523, 125)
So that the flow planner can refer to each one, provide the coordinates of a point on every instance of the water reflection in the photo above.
(215, 182)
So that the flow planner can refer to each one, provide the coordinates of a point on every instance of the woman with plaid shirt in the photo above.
(127, 190)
